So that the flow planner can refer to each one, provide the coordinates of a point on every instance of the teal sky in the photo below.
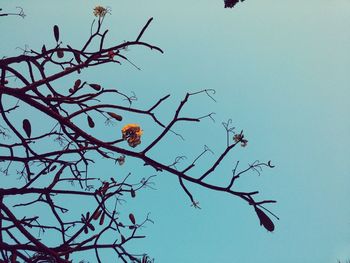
(281, 72)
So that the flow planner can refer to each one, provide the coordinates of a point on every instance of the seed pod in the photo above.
(91, 122)
(133, 193)
(56, 32)
(77, 84)
(102, 219)
(27, 127)
(115, 116)
(265, 220)
(91, 226)
(132, 218)
(95, 86)
(96, 215)
(60, 53)
(77, 57)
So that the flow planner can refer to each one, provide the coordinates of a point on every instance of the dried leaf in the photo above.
(132, 218)
(95, 86)
(91, 122)
(265, 220)
(115, 116)
(56, 32)
(27, 127)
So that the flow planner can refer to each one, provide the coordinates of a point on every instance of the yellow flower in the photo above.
(100, 11)
(132, 134)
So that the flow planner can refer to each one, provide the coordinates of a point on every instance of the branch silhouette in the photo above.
(53, 163)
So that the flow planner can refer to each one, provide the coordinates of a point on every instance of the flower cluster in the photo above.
(240, 138)
(132, 134)
(100, 11)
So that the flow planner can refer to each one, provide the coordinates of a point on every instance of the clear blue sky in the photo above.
(281, 72)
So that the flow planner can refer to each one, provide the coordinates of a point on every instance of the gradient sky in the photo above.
(281, 72)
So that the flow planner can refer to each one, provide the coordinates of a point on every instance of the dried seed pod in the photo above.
(115, 116)
(132, 218)
(91, 226)
(56, 32)
(95, 86)
(27, 127)
(265, 220)
(77, 84)
(60, 53)
(91, 122)
(96, 215)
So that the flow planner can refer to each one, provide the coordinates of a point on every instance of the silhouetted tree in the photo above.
(45, 162)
